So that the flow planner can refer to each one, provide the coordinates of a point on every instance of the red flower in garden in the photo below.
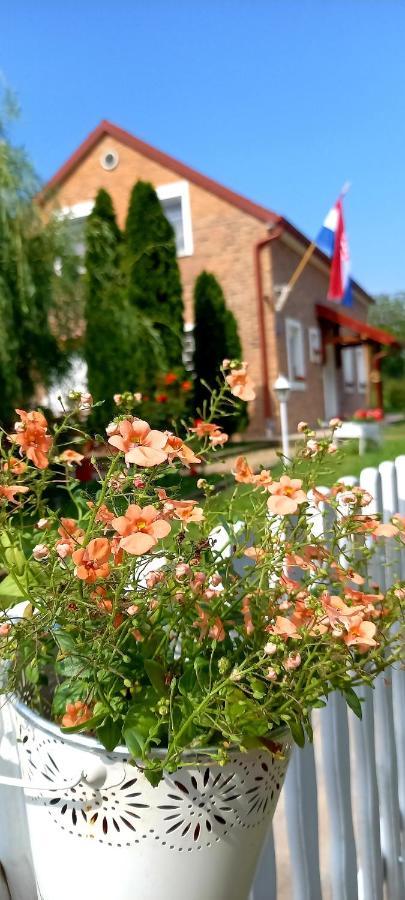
(170, 378)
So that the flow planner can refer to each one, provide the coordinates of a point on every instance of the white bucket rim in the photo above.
(85, 742)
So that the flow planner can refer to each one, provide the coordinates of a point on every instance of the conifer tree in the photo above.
(216, 338)
(118, 337)
(153, 272)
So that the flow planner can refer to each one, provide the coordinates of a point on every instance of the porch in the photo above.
(352, 352)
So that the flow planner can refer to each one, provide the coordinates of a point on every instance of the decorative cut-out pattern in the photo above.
(195, 807)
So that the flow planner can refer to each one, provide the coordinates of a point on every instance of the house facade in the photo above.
(329, 354)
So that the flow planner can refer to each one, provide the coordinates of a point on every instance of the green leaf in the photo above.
(140, 727)
(297, 732)
(109, 734)
(156, 675)
(90, 725)
(353, 701)
(10, 592)
(65, 641)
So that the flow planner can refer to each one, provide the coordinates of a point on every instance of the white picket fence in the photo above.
(339, 831)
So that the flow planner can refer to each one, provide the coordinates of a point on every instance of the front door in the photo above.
(330, 382)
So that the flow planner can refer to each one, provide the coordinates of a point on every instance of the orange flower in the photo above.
(92, 561)
(204, 429)
(185, 510)
(242, 471)
(71, 536)
(170, 378)
(70, 457)
(30, 434)
(104, 515)
(247, 615)
(140, 444)
(286, 496)
(240, 384)
(336, 609)
(14, 465)
(140, 529)
(361, 635)
(186, 385)
(263, 479)
(76, 714)
(176, 447)
(283, 627)
(5, 630)
(102, 602)
(218, 438)
(9, 492)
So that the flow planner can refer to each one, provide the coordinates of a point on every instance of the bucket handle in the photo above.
(93, 775)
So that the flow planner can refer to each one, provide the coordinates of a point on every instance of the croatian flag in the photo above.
(333, 241)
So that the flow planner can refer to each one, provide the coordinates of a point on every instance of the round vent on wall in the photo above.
(109, 160)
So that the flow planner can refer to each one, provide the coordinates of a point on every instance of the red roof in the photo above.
(105, 127)
(365, 331)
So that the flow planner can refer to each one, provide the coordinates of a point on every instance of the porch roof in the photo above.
(364, 331)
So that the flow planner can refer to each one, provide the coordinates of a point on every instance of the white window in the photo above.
(76, 216)
(361, 366)
(315, 344)
(188, 346)
(348, 369)
(295, 353)
(175, 202)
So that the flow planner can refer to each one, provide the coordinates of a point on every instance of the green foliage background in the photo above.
(216, 338)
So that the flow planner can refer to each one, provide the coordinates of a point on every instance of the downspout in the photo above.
(258, 247)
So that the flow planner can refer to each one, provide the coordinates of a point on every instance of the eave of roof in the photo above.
(365, 331)
(267, 216)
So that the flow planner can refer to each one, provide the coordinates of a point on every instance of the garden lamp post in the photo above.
(282, 390)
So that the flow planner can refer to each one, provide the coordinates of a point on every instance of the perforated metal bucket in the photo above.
(197, 836)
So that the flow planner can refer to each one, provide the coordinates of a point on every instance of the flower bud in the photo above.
(42, 524)
(271, 674)
(292, 662)
(41, 552)
(181, 570)
(270, 649)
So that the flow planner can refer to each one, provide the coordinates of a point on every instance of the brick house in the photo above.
(329, 354)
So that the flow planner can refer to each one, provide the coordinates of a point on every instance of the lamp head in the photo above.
(282, 388)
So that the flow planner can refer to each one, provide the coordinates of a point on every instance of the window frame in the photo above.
(349, 384)
(315, 352)
(180, 190)
(297, 381)
(361, 385)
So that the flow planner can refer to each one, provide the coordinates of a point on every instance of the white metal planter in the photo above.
(197, 836)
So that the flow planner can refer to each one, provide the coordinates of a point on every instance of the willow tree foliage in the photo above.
(30, 354)
(216, 338)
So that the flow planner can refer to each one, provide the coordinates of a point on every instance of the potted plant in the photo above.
(166, 652)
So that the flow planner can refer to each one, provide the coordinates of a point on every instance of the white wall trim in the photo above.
(77, 210)
(170, 192)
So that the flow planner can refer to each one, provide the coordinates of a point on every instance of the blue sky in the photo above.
(282, 100)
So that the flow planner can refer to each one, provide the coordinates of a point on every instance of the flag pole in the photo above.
(287, 288)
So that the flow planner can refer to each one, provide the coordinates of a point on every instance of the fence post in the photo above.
(387, 773)
(336, 763)
(301, 802)
(265, 883)
(366, 793)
